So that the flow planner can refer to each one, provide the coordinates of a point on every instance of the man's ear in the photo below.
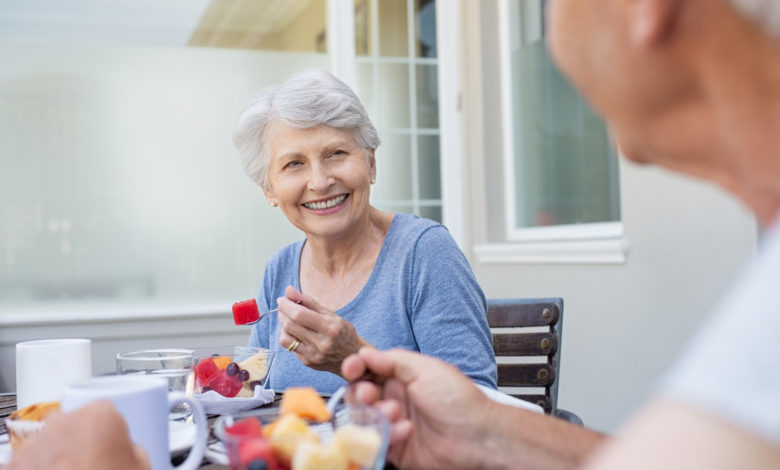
(650, 22)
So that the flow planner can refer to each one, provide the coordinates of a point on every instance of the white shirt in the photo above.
(732, 367)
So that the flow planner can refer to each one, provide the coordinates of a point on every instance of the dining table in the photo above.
(8, 406)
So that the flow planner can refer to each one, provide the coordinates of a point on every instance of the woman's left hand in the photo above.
(326, 339)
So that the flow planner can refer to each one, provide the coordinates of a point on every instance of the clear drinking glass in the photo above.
(174, 365)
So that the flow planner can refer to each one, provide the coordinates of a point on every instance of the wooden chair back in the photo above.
(527, 335)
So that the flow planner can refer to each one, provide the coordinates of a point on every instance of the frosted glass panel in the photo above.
(394, 97)
(118, 177)
(427, 96)
(393, 28)
(430, 168)
(394, 169)
(364, 87)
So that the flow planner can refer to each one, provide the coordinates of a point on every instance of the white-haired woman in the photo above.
(361, 276)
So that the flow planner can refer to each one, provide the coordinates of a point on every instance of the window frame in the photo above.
(601, 242)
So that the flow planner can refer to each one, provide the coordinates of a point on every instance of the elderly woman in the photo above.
(361, 276)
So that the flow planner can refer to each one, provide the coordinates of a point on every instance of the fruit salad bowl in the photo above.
(232, 371)
(355, 437)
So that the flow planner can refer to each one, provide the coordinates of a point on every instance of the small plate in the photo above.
(181, 436)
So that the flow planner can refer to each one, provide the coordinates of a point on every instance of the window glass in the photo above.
(425, 27)
(118, 177)
(429, 167)
(565, 170)
(398, 82)
(394, 101)
(393, 28)
(394, 163)
(427, 96)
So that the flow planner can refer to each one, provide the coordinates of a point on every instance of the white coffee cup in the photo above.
(144, 403)
(45, 367)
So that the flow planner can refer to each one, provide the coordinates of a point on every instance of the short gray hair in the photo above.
(763, 12)
(307, 99)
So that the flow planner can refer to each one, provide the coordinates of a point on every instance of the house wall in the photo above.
(623, 323)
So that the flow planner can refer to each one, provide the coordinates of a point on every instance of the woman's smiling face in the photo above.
(320, 178)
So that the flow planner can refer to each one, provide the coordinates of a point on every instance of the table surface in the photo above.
(8, 406)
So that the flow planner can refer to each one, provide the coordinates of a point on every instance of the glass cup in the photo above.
(174, 365)
(213, 370)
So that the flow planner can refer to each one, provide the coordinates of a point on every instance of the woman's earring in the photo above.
(272, 204)
(373, 180)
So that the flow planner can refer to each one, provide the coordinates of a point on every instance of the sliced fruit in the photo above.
(245, 312)
(222, 361)
(360, 443)
(249, 427)
(315, 456)
(206, 371)
(256, 365)
(226, 385)
(287, 434)
(253, 453)
(304, 402)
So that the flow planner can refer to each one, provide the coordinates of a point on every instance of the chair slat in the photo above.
(542, 400)
(524, 344)
(525, 375)
(532, 314)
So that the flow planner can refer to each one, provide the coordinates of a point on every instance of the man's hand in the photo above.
(92, 437)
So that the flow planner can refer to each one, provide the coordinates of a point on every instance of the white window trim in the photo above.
(448, 40)
(340, 33)
(580, 243)
(604, 251)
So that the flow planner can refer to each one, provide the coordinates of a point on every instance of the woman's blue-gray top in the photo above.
(421, 296)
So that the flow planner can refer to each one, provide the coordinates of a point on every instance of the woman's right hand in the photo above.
(325, 338)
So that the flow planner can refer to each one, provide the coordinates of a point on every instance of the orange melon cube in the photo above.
(304, 402)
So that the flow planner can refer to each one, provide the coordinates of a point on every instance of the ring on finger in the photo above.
(294, 345)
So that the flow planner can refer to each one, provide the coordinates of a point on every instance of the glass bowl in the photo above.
(369, 424)
(231, 371)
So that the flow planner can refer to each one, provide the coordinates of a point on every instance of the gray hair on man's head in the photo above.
(309, 98)
(764, 12)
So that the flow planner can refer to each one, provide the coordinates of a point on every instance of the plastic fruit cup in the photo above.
(243, 449)
(231, 371)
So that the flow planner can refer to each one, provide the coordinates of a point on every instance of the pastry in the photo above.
(28, 421)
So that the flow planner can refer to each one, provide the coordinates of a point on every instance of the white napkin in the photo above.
(216, 404)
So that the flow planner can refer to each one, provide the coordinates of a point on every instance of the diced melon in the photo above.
(314, 456)
(306, 403)
(287, 433)
(222, 361)
(361, 444)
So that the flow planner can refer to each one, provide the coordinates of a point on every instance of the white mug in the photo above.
(144, 403)
(45, 367)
